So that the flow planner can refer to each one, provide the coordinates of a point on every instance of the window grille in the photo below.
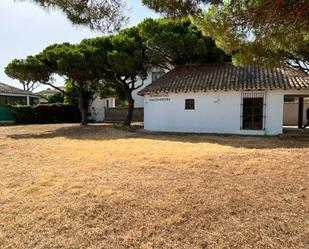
(253, 110)
(190, 104)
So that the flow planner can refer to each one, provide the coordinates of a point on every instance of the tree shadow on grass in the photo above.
(90, 132)
(103, 132)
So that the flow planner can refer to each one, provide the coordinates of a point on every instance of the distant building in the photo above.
(45, 94)
(10, 95)
(98, 105)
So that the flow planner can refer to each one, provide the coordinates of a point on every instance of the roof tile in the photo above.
(6, 89)
(225, 76)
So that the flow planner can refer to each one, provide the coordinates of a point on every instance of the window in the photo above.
(13, 100)
(190, 105)
(107, 103)
(3, 100)
(253, 111)
(156, 75)
(34, 101)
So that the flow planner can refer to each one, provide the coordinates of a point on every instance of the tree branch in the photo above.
(55, 87)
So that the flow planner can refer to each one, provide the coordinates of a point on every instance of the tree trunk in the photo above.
(83, 108)
(129, 116)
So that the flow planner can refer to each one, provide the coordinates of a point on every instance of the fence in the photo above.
(290, 113)
(119, 114)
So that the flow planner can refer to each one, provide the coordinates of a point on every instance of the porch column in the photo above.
(300, 112)
(28, 100)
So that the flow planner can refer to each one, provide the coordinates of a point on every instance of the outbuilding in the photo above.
(223, 98)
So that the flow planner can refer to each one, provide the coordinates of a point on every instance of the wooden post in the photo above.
(300, 112)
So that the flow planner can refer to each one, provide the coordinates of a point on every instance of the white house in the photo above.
(153, 75)
(222, 98)
(98, 105)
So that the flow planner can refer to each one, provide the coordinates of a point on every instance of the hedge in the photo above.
(46, 114)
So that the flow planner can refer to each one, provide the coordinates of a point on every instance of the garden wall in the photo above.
(119, 114)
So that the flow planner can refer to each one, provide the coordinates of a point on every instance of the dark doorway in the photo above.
(253, 113)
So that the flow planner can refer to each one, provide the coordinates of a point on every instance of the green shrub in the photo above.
(46, 114)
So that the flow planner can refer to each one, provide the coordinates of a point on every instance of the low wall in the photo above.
(119, 114)
(290, 113)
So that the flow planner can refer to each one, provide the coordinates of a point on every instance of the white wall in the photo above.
(274, 112)
(139, 100)
(290, 113)
(97, 107)
(211, 116)
(208, 116)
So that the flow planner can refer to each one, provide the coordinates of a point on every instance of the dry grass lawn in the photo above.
(63, 186)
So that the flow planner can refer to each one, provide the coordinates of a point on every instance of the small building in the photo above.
(10, 95)
(223, 98)
(98, 105)
(49, 92)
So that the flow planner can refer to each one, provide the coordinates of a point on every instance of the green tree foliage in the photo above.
(103, 15)
(122, 60)
(261, 31)
(178, 42)
(30, 72)
(82, 65)
(113, 89)
(71, 94)
(265, 32)
(178, 8)
(128, 61)
(57, 98)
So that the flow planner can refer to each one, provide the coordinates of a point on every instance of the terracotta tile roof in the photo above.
(4, 88)
(50, 91)
(227, 77)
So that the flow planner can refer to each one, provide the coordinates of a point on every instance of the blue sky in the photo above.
(26, 29)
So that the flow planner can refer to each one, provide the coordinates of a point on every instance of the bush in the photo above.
(46, 114)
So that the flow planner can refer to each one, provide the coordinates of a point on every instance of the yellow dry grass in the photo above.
(63, 186)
